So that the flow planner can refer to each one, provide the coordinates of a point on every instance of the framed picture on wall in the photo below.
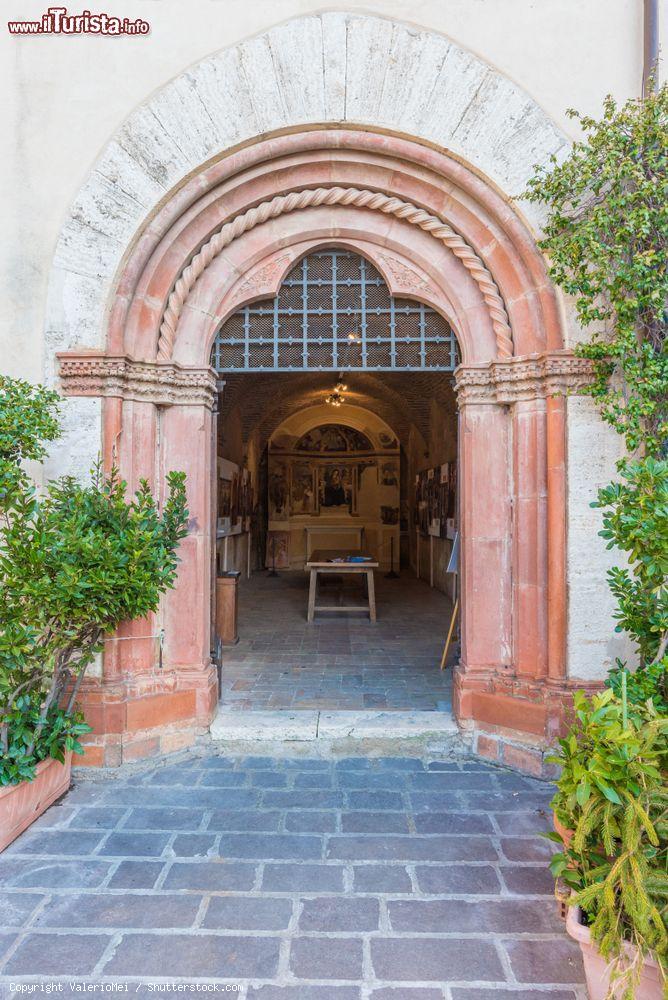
(303, 489)
(337, 488)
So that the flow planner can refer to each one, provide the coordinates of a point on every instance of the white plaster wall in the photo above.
(593, 449)
(63, 97)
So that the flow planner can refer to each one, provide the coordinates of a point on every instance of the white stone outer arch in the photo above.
(325, 68)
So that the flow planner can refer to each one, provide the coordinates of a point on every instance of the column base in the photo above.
(514, 720)
(146, 715)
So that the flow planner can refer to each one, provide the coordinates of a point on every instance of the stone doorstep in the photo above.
(307, 726)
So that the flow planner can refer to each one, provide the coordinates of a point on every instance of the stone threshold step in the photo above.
(319, 725)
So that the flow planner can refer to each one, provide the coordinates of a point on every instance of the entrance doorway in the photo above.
(337, 437)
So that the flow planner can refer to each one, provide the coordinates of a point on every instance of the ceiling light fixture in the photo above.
(336, 397)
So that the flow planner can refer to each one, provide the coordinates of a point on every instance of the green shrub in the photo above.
(75, 561)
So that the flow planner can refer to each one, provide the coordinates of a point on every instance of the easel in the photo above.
(452, 568)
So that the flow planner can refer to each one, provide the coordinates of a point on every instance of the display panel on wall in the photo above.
(436, 500)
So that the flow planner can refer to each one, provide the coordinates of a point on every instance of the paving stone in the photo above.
(458, 879)
(461, 993)
(194, 845)
(136, 875)
(261, 763)
(452, 822)
(502, 916)
(399, 763)
(375, 800)
(306, 798)
(164, 819)
(17, 907)
(6, 941)
(439, 802)
(303, 992)
(246, 913)
(554, 961)
(96, 817)
(374, 822)
(310, 822)
(32, 873)
(326, 958)
(55, 815)
(145, 845)
(381, 878)
(269, 779)
(446, 781)
(313, 779)
(50, 842)
(57, 954)
(270, 846)
(527, 849)
(503, 801)
(199, 955)
(408, 993)
(528, 880)
(225, 779)
(306, 764)
(188, 798)
(444, 765)
(336, 913)
(303, 878)
(425, 959)
(242, 820)
(368, 780)
(354, 764)
(521, 823)
(394, 848)
(120, 910)
(211, 876)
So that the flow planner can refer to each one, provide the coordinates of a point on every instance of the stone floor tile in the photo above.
(57, 954)
(303, 992)
(209, 876)
(163, 819)
(306, 798)
(313, 779)
(136, 875)
(458, 880)
(528, 880)
(498, 916)
(369, 780)
(302, 878)
(396, 848)
(6, 942)
(101, 910)
(452, 822)
(270, 846)
(336, 913)
(33, 873)
(374, 822)
(17, 907)
(551, 961)
(424, 959)
(244, 820)
(246, 913)
(406, 993)
(199, 955)
(60, 842)
(522, 823)
(326, 958)
(311, 821)
(224, 779)
(194, 845)
(381, 879)
(375, 800)
(527, 849)
(95, 817)
(128, 843)
(514, 993)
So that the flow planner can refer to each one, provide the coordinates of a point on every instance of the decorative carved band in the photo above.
(335, 196)
(164, 384)
(533, 376)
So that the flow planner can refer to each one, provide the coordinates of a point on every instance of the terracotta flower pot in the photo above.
(566, 835)
(597, 968)
(20, 805)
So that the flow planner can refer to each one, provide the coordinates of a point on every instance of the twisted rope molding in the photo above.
(312, 198)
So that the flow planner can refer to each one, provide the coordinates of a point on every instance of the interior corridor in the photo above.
(339, 662)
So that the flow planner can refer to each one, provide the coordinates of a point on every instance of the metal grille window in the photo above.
(335, 312)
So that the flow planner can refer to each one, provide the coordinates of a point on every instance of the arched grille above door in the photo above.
(334, 311)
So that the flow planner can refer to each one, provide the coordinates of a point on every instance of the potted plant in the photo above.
(76, 559)
(613, 795)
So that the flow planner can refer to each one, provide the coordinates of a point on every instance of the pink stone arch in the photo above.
(512, 434)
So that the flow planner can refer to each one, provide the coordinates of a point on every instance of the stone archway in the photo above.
(436, 230)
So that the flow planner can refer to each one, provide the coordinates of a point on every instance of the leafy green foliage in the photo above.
(613, 795)
(607, 240)
(635, 520)
(74, 563)
(651, 683)
(32, 741)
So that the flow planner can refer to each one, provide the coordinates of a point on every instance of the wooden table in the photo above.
(321, 561)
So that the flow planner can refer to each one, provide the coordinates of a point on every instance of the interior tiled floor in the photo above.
(338, 662)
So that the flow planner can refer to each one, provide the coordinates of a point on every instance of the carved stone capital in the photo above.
(163, 383)
(533, 376)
